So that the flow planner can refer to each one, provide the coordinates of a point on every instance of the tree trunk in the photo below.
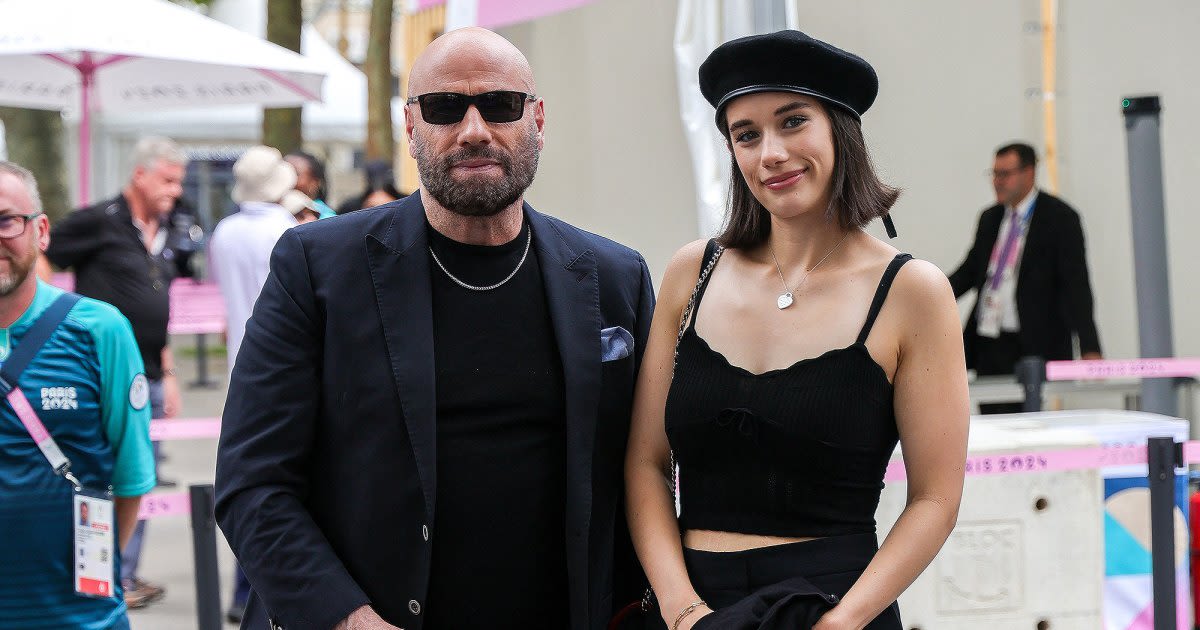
(343, 43)
(282, 127)
(378, 67)
(35, 141)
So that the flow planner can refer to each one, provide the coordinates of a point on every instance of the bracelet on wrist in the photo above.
(168, 372)
(689, 609)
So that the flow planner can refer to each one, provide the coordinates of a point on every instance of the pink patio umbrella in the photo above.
(138, 55)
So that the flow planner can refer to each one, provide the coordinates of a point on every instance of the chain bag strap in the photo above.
(717, 250)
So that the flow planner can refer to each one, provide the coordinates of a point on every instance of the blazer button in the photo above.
(425, 532)
(414, 607)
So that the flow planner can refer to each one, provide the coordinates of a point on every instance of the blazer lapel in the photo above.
(399, 269)
(570, 276)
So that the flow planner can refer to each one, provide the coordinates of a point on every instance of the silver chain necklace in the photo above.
(785, 299)
(521, 263)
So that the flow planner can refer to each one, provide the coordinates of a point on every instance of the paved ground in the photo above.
(167, 556)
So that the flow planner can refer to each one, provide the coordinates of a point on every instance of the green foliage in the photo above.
(35, 141)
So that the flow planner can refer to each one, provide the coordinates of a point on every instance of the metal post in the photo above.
(204, 551)
(201, 364)
(1149, 245)
(1161, 464)
(1031, 374)
(204, 192)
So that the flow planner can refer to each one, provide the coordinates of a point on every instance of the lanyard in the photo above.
(33, 341)
(1017, 226)
(42, 437)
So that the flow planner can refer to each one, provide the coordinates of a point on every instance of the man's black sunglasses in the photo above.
(447, 108)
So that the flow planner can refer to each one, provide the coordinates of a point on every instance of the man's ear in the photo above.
(539, 119)
(409, 124)
(42, 225)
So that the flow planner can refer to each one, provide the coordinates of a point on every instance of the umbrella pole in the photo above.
(87, 74)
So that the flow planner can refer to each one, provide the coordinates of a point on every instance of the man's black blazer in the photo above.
(1054, 294)
(325, 471)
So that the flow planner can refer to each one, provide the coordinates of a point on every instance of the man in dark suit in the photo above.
(1028, 267)
(427, 418)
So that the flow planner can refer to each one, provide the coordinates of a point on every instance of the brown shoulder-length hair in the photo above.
(859, 196)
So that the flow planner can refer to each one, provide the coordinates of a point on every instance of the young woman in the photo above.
(785, 360)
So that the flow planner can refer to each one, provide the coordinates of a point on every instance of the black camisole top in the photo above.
(797, 452)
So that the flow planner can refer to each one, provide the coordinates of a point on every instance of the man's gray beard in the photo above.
(18, 270)
(10, 280)
(481, 197)
(7, 284)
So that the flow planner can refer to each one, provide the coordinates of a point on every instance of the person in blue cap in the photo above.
(786, 358)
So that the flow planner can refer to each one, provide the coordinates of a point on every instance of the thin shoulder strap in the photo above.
(885, 284)
(712, 253)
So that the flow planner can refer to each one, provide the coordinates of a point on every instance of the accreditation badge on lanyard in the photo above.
(93, 518)
(95, 536)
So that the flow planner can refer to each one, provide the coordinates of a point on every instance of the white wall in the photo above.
(615, 160)
(955, 83)
(956, 79)
(1115, 50)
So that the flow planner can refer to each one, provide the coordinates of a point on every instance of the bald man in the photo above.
(427, 418)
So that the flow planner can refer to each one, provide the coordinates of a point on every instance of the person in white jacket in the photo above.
(239, 252)
(239, 257)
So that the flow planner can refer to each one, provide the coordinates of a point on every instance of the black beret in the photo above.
(788, 61)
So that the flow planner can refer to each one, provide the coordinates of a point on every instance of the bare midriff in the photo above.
(709, 540)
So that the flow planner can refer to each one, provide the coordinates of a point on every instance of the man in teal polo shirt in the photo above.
(87, 387)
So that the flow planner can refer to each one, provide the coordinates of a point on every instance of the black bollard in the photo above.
(1031, 374)
(204, 551)
(1162, 459)
(202, 381)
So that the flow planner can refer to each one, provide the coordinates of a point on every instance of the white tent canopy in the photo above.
(342, 117)
(143, 55)
(138, 55)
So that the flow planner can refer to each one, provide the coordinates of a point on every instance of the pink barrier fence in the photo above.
(157, 505)
(1044, 461)
(1121, 368)
(196, 307)
(185, 429)
(165, 504)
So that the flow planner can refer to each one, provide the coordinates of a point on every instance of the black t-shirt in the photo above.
(112, 265)
(499, 543)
